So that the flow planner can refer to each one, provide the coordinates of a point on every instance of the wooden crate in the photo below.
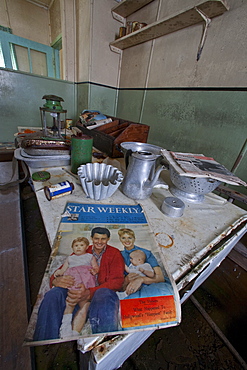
(107, 138)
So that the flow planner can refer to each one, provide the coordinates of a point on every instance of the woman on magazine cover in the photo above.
(137, 286)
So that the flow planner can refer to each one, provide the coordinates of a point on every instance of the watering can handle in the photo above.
(127, 155)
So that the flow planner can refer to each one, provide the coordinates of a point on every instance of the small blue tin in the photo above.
(58, 190)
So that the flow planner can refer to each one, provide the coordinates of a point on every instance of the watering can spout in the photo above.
(155, 176)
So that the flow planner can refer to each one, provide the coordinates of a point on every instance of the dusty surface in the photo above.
(191, 345)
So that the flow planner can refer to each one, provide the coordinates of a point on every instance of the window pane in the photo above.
(2, 63)
(39, 64)
(25, 55)
(19, 56)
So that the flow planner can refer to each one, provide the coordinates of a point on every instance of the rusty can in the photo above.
(69, 123)
(139, 25)
(58, 190)
(129, 27)
(122, 31)
(134, 26)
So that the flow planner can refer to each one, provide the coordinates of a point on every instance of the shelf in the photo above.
(171, 24)
(127, 7)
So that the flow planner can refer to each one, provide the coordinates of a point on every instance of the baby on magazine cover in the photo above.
(83, 267)
(137, 266)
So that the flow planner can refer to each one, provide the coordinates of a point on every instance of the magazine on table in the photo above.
(105, 276)
(198, 165)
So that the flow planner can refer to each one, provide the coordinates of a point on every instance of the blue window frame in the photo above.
(9, 50)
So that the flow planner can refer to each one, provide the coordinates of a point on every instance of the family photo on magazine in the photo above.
(105, 275)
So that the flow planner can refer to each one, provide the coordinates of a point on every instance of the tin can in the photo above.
(81, 151)
(139, 25)
(69, 123)
(129, 27)
(122, 31)
(58, 190)
(134, 26)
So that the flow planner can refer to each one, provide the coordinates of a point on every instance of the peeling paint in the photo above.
(100, 351)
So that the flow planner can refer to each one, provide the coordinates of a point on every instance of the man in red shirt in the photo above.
(103, 309)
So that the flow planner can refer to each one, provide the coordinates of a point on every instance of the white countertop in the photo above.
(183, 241)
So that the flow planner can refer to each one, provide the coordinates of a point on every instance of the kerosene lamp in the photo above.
(50, 140)
(54, 108)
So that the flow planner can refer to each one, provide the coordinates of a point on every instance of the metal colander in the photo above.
(191, 188)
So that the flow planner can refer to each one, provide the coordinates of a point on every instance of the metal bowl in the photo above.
(99, 180)
(191, 188)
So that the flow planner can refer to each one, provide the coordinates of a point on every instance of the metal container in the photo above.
(81, 151)
(122, 31)
(173, 207)
(129, 27)
(141, 175)
(129, 147)
(38, 146)
(42, 161)
(138, 26)
(58, 190)
(191, 189)
(99, 180)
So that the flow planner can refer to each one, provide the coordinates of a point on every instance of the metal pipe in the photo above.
(239, 157)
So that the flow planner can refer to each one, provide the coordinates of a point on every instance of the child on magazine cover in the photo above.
(138, 266)
(102, 301)
(83, 267)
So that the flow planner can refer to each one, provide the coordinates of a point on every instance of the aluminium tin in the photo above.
(58, 190)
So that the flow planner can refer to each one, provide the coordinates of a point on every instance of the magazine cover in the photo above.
(198, 165)
(104, 276)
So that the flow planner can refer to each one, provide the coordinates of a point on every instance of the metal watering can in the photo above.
(142, 170)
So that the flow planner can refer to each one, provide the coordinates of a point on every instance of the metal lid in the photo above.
(41, 176)
(140, 147)
(173, 207)
(144, 155)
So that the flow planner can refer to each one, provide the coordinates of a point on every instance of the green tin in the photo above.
(81, 151)
(41, 176)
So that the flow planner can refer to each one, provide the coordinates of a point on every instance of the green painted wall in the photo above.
(82, 97)
(199, 121)
(96, 97)
(212, 122)
(21, 96)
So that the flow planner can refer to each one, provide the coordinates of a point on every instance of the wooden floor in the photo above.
(13, 308)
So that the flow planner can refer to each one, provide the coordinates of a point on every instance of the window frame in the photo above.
(52, 55)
